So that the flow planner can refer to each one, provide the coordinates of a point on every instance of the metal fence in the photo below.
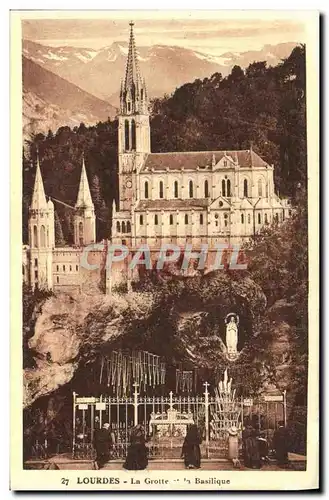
(165, 420)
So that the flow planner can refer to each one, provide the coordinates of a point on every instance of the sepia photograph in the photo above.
(164, 292)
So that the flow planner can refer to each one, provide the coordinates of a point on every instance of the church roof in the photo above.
(176, 204)
(84, 196)
(202, 159)
(38, 197)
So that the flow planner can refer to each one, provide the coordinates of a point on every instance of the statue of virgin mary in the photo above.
(232, 321)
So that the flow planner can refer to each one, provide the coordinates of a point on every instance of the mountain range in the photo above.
(50, 72)
(50, 101)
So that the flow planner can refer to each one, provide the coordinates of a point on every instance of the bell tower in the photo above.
(41, 235)
(134, 127)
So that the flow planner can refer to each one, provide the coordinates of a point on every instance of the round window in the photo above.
(220, 203)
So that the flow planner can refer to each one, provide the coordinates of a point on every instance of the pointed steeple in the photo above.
(38, 197)
(132, 69)
(84, 197)
(133, 95)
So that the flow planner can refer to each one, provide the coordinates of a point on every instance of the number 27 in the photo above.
(65, 481)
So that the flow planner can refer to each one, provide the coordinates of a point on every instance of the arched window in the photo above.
(171, 219)
(123, 227)
(80, 233)
(201, 219)
(142, 94)
(260, 187)
(206, 189)
(276, 217)
(259, 219)
(225, 220)
(128, 227)
(245, 188)
(127, 146)
(223, 188)
(249, 219)
(190, 189)
(57, 279)
(266, 221)
(160, 189)
(186, 219)
(35, 236)
(133, 135)
(228, 187)
(47, 236)
(118, 227)
(146, 189)
(23, 269)
(141, 220)
(242, 219)
(42, 237)
(156, 220)
(176, 189)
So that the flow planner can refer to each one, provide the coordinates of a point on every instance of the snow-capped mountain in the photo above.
(99, 72)
(50, 101)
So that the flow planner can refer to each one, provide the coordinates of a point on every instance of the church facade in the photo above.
(205, 197)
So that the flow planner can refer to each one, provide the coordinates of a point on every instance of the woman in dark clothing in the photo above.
(137, 451)
(251, 454)
(191, 448)
(102, 444)
(281, 444)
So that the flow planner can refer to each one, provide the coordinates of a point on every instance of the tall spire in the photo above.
(133, 89)
(132, 69)
(38, 197)
(84, 196)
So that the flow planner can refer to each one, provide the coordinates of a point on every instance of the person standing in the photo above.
(191, 448)
(233, 446)
(281, 444)
(137, 451)
(102, 444)
(251, 455)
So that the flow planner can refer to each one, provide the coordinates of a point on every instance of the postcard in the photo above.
(165, 246)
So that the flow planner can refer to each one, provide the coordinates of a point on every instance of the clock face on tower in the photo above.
(128, 184)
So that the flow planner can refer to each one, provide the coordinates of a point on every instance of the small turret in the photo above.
(84, 217)
(38, 198)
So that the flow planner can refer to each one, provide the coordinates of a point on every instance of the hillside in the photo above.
(50, 101)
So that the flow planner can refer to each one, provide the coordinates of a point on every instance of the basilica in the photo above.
(196, 197)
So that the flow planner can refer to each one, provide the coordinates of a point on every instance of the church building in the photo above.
(196, 197)
(199, 197)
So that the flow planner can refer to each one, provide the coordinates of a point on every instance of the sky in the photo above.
(215, 35)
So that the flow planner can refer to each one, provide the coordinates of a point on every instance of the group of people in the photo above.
(137, 455)
(255, 447)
